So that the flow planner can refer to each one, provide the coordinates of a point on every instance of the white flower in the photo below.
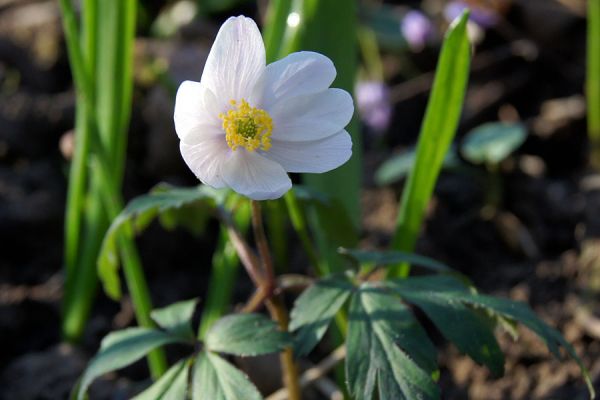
(246, 124)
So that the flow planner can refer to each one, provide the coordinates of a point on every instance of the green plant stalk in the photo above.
(132, 266)
(275, 24)
(115, 46)
(79, 294)
(275, 216)
(80, 281)
(77, 173)
(299, 224)
(225, 264)
(593, 80)
(437, 131)
(81, 290)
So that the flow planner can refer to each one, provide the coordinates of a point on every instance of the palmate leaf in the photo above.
(122, 348)
(216, 379)
(137, 215)
(246, 335)
(468, 330)
(171, 386)
(430, 293)
(315, 309)
(176, 318)
(387, 349)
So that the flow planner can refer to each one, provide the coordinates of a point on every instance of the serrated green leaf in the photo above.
(469, 331)
(423, 289)
(246, 335)
(216, 379)
(522, 313)
(398, 166)
(171, 386)
(136, 216)
(176, 318)
(437, 132)
(122, 348)
(387, 348)
(393, 257)
(492, 142)
(314, 310)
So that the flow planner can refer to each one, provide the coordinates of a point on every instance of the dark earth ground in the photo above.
(541, 247)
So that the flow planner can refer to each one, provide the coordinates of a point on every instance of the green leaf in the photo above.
(314, 310)
(137, 215)
(216, 379)
(392, 258)
(122, 348)
(171, 386)
(522, 313)
(387, 348)
(399, 166)
(176, 318)
(246, 335)
(492, 142)
(437, 131)
(432, 289)
(468, 330)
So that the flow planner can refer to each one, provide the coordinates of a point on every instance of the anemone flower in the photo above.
(246, 124)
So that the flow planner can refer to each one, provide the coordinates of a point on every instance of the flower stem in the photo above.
(274, 303)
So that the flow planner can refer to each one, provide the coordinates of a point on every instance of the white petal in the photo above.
(236, 63)
(315, 156)
(311, 117)
(254, 176)
(195, 110)
(304, 72)
(206, 158)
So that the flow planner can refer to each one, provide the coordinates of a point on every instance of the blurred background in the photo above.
(525, 225)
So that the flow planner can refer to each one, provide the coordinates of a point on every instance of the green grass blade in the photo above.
(274, 29)
(437, 131)
(593, 80)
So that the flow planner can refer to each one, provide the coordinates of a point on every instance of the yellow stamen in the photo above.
(247, 126)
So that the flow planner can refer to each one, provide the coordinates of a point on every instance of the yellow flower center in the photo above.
(247, 126)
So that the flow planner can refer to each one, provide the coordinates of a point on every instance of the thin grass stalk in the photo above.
(437, 132)
(275, 24)
(593, 81)
(81, 219)
(132, 266)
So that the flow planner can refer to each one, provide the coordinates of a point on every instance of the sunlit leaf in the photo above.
(122, 348)
(171, 386)
(137, 215)
(437, 131)
(176, 318)
(387, 349)
(216, 379)
(246, 335)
